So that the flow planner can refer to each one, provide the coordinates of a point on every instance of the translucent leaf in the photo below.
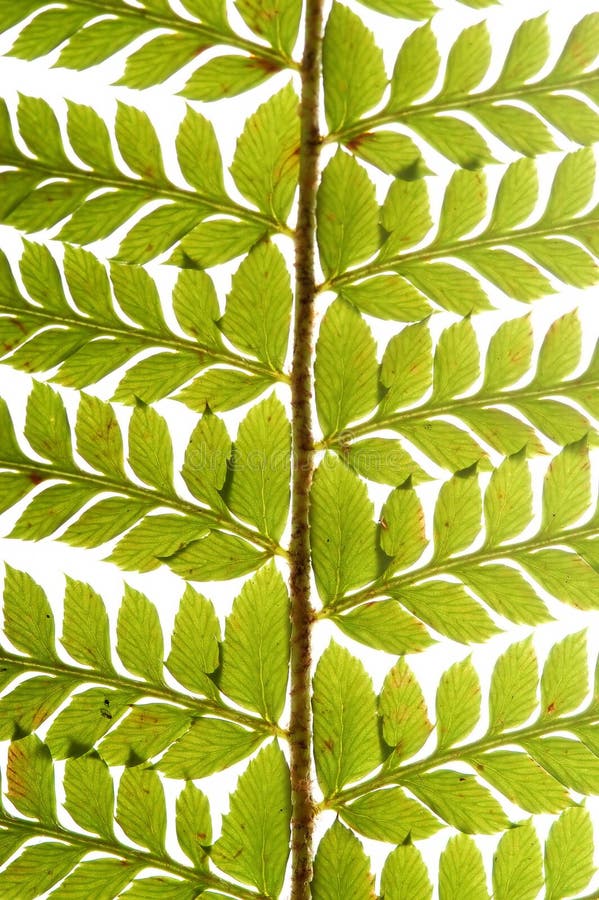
(457, 361)
(47, 427)
(389, 815)
(353, 69)
(461, 871)
(518, 865)
(209, 746)
(406, 369)
(460, 800)
(259, 488)
(464, 205)
(343, 535)
(194, 652)
(395, 154)
(341, 868)
(30, 779)
(139, 636)
(383, 460)
(102, 879)
(255, 652)
(405, 721)
(565, 575)
(527, 53)
(215, 557)
(509, 353)
(447, 608)
(50, 509)
(513, 693)
(218, 241)
(226, 76)
(572, 187)
(86, 719)
(457, 515)
(194, 827)
(265, 165)
(89, 793)
(569, 854)
(257, 316)
(468, 61)
(405, 215)
(415, 69)
(457, 703)
(508, 500)
(346, 741)
(144, 733)
(150, 449)
(276, 21)
(254, 843)
(402, 528)
(155, 539)
(345, 369)
(85, 630)
(89, 285)
(138, 143)
(569, 761)
(522, 781)
(30, 703)
(222, 389)
(404, 875)
(141, 810)
(90, 138)
(567, 488)
(516, 197)
(28, 617)
(37, 869)
(565, 678)
(347, 215)
(158, 59)
(385, 626)
(388, 297)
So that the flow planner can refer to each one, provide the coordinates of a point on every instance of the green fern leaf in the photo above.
(346, 743)
(258, 855)
(341, 868)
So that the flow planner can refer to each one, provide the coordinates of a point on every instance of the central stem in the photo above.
(302, 614)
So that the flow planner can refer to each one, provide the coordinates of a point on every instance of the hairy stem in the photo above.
(302, 614)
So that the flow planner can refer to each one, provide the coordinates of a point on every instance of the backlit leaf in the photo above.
(457, 703)
(254, 843)
(343, 535)
(255, 651)
(341, 868)
(346, 742)
(345, 369)
(353, 70)
(405, 721)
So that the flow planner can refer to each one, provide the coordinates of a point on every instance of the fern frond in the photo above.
(142, 815)
(92, 339)
(108, 711)
(90, 32)
(520, 868)
(410, 369)
(196, 541)
(466, 562)
(45, 188)
(515, 109)
(527, 761)
(507, 251)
